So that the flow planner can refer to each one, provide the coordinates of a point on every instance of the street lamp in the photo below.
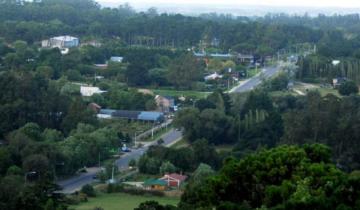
(135, 139)
(112, 180)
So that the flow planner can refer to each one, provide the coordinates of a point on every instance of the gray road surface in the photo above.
(168, 138)
(75, 183)
(256, 80)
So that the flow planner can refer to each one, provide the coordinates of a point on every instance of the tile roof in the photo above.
(177, 176)
(150, 182)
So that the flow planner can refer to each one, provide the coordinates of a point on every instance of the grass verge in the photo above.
(176, 93)
(116, 201)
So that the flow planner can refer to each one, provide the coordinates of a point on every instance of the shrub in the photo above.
(348, 88)
(88, 190)
(115, 188)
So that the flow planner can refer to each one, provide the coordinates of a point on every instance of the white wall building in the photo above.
(117, 59)
(61, 42)
(213, 76)
(89, 91)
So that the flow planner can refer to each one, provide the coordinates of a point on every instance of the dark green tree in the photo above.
(348, 88)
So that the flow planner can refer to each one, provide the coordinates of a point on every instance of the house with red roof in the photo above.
(174, 180)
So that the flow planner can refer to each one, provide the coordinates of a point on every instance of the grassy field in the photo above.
(176, 93)
(180, 144)
(121, 201)
(281, 93)
(306, 87)
(325, 91)
(253, 72)
(224, 148)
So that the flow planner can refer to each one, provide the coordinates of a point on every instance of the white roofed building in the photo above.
(117, 59)
(213, 76)
(89, 91)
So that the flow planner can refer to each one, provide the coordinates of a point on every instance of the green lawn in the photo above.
(281, 93)
(306, 87)
(253, 72)
(180, 144)
(224, 148)
(121, 201)
(176, 93)
(325, 91)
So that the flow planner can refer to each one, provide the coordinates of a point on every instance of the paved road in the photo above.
(168, 138)
(75, 183)
(256, 80)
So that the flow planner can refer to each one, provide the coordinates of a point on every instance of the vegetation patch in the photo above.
(123, 201)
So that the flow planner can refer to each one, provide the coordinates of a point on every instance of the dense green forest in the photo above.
(258, 120)
(33, 22)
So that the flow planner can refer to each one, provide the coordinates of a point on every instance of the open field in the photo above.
(121, 201)
(175, 93)
(180, 144)
(253, 72)
(306, 87)
(224, 148)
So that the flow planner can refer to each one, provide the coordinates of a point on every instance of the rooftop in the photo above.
(176, 176)
(133, 115)
(116, 58)
(150, 182)
(65, 38)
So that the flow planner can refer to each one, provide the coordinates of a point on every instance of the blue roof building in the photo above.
(131, 115)
(151, 116)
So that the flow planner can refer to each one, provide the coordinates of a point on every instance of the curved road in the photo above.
(75, 183)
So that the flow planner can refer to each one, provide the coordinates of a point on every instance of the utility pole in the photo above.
(152, 131)
(112, 173)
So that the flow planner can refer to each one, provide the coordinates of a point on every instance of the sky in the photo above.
(276, 3)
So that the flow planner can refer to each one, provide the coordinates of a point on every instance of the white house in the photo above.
(117, 59)
(213, 76)
(335, 62)
(89, 91)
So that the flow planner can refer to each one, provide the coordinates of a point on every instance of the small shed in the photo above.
(155, 184)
